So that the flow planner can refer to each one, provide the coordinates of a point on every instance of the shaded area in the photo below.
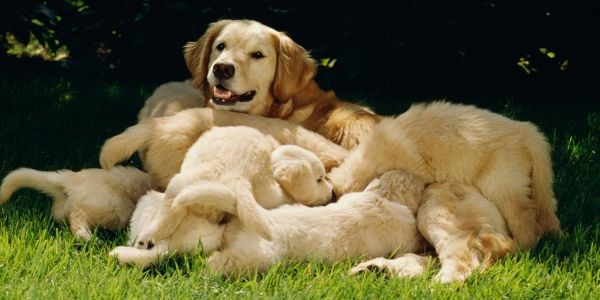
(414, 48)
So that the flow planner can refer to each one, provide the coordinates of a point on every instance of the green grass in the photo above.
(50, 123)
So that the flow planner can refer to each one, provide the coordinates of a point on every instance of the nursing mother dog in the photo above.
(462, 152)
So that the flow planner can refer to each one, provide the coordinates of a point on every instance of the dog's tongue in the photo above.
(222, 94)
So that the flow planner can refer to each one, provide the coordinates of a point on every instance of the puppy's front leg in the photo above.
(138, 257)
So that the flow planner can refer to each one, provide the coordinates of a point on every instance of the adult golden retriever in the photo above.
(245, 66)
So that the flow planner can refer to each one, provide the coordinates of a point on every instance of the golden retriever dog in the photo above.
(240, 158)
(373, 226)
(473, 236)
(288, 163)
(165, 141)
(245, 66)
(86, 199)
(171, 98)
(507, 161)
(362, 224)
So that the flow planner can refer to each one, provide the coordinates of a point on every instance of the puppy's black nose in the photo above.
(223, 71)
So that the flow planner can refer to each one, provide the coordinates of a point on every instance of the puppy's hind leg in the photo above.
(467, 231)
(79, 223)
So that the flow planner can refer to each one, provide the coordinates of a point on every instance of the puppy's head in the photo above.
(399, 186)
(301, 174)
(248, 67)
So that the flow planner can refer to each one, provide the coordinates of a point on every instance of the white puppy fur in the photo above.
(86, 199)
(199, 224)
(362, 224)
(240, 158)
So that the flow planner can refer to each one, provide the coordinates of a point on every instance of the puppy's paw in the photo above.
(408, 265)
(133, 256)
(453, 273)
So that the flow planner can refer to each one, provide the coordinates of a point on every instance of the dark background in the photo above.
(413, 49)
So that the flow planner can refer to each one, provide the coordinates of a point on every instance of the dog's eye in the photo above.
(257, 55)
(320, 179)
(221, 46)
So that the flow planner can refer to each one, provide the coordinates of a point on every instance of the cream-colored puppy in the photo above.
(166, 140)
(86, 199)
(289, 162)
(467, 228)
(362, 224)
(171, 98)
(238, 157)
(507, 161)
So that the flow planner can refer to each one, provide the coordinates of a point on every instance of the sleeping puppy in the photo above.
(238, 157)
(362, 224)
(165, 141)
(507, 161)
(245, 66)
(86, 199)
(199, 227)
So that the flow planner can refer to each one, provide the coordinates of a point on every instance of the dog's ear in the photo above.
(289, 173)
(197, 53)
(295, 68)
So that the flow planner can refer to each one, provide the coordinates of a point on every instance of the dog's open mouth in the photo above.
(223, 96)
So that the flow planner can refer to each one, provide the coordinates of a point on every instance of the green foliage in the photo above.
(449, 48)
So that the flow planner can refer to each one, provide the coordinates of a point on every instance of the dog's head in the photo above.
(399, 186)
(248, 67)
(301, 174)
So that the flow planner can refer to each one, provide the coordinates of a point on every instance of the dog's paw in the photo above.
(408, 265)
(451, 272)
(133, 256)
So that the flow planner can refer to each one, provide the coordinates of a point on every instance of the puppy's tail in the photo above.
(238, 201)
(122, 146)
(542, 181)
(50, 183)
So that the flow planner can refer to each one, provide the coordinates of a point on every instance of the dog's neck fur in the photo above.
(321, 111)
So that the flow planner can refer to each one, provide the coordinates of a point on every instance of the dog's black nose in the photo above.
(223, 71)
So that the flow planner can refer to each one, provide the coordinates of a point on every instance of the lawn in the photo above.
(51, 123)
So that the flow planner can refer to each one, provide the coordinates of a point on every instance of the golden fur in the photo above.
(507, 161)
(282, 80)
(363, 224)
(86, 199)
(171, 98)
(165, 141)
(186, 224)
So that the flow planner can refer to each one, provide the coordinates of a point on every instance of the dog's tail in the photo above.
(122, 146)
(48, 182)
(238, 201)
(542, 181)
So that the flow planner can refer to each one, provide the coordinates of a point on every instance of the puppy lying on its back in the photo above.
(359, 224)
(288, 163)
(88, 198)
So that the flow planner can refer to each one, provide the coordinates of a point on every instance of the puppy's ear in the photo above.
(290, 173)
(295, 68)
(197, 53)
